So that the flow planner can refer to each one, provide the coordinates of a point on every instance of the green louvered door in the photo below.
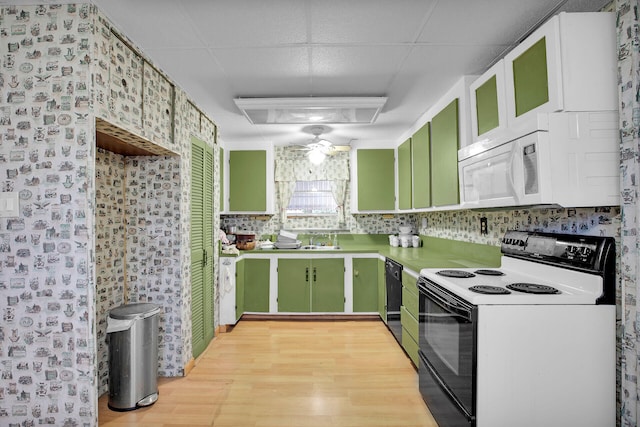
(201, 245)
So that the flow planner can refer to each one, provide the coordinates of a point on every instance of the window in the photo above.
(312, 198)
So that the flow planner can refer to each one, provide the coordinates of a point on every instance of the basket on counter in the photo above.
(245, 242)
(246, 245)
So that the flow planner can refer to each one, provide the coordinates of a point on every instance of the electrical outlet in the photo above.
(483, 226)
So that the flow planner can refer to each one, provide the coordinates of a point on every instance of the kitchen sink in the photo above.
(319, 247)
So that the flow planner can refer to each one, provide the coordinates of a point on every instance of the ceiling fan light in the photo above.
(316, 156)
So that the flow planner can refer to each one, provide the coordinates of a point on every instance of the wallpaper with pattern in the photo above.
(628, 69)
(62, 265)
(47, 336)
(110, 250)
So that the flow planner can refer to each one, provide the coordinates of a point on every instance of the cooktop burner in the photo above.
(456, 273)
(492, 290)
(486, 272)
(533, 288)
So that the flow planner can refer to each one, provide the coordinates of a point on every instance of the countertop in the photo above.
(434, 253)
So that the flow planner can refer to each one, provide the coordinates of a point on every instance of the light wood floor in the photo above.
(290, 373)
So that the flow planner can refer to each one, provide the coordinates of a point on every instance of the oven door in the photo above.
(447, 342)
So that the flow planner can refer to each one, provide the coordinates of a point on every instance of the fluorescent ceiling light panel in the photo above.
(311, 110)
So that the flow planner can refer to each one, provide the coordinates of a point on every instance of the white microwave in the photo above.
(574, 163)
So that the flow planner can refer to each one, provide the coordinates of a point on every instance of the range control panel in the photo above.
(568, 249)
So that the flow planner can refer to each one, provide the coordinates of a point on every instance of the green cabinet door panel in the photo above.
(221, 177)
(327, 285)
(294, 285)
(365, 285)
(256, 285)
(410, 345)
(202, 272)
(530, 78)
(487, 113)
(382, 291)
(376, 179)
(404, 175)
(239, 289)
(421, 166)
(248, 181)
(444, 156)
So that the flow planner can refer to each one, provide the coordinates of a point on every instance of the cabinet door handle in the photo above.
(356, 273)
(306, 275)
(314, 274)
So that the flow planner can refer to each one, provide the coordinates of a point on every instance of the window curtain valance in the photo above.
(297, 167)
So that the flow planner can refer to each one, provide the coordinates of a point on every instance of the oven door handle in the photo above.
(449, 313)
(451, 306)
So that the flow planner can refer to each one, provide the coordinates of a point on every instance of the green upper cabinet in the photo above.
(487, 114)
(365, 285)
(444, 156)
(421, 166)
(530, 78)
(376, 179)
(256, 285)
(248, 181)
(404, 175)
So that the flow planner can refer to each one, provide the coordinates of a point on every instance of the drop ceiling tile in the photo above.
(448, 60)
(162, 23)
(355, 70)
(248, 23)
(367, 21)
(282, 71)
(483, 22)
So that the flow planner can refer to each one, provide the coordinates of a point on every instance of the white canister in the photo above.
(393, 240)
(415, 241)
(404, 241)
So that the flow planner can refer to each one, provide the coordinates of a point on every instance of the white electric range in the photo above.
(529, 343)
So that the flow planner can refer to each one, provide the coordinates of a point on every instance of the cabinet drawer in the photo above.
(409, 323)
(410, 301)
(410, 346)
(410, 282)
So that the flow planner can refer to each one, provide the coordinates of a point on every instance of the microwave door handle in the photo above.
(510, 178)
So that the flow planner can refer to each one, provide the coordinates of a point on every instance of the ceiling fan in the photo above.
(319, 147)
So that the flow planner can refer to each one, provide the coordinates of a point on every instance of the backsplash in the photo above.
(465, 224)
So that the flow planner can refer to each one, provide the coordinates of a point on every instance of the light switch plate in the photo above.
(9, 205)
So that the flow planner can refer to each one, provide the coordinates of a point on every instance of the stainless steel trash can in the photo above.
(132, 331)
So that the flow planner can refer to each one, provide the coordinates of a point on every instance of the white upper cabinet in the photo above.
(488, 103)
(568, 64)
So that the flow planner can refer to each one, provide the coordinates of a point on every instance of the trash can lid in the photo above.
(134, 311)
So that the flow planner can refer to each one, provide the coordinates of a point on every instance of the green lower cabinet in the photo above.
(365, 285)
(256, 285)
(327, 285)
(315, 285)
(382, 292)
(239, 289)
(410, 346)
(409, 322)
(294, 290)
